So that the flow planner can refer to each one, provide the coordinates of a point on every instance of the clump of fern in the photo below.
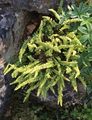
(49, 58)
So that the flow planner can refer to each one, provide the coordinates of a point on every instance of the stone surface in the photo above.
(40, 6)
(12, 25)
(7, 20)
(70, 97)
(5, 1)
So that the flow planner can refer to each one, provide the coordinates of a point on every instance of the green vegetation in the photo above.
(60, 50)
(40, 112)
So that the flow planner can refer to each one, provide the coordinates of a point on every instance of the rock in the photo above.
(70, 97)
(12, 25)
(2, 90)
(40, 6)
(7, 20)
(5, 1)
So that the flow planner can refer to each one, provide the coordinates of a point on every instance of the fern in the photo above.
(49, 58)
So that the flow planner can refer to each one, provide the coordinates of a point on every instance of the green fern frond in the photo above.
(55, 14)
(50, 57)
(22, 50)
